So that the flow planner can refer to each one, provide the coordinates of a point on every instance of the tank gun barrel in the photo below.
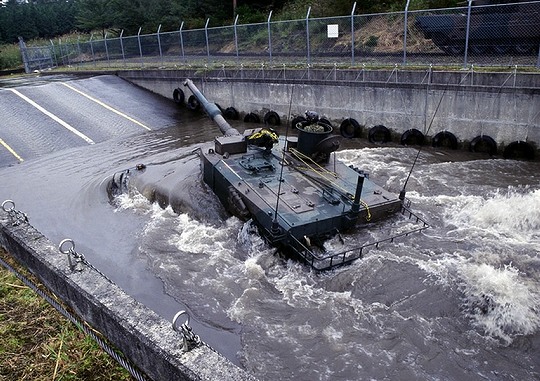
(212, 110)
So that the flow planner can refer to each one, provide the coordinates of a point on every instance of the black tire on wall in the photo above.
(252, 118)
(519, 151)
(379, 134)
(350, 128)
(272, 118)
(445, 139)
(231, 113)
(193, 103)
(485, 144)
(178, 96)
(412, 137)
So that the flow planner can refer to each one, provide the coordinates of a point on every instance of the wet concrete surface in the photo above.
(61, 182)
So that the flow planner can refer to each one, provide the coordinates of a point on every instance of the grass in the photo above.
(38, 343)
(10, 56)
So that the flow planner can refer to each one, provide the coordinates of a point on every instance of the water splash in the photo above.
(133, 201)
(498, 300)
(197, 237)
(511, 215)
(510, 211)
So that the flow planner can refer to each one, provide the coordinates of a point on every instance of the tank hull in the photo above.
(293, 188)
(314, 203)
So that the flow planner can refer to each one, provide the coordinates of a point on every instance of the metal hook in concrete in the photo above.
(7, 209)
(175, 318)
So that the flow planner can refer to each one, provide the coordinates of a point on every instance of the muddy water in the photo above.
(460, 301)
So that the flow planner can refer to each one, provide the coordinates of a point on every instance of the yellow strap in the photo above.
(258, 134)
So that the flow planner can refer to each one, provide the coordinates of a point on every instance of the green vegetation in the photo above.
(39, 21)
(52, 18)
(10, 56)
(37, 343)
(49, 19)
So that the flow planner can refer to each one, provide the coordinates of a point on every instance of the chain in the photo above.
(17, 217)
(76, 260)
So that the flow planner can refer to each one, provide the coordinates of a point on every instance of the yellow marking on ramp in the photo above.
(6, 146)
(54, 117)
(107, 106)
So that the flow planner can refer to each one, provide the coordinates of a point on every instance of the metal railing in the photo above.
(327, 261)
(488, 35)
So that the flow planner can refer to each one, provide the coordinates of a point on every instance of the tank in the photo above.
(293, 188)
(495, 27)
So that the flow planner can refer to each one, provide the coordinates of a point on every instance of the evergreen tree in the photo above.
(96, 15)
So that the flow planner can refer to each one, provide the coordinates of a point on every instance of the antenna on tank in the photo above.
(403, 191)
(275, 224)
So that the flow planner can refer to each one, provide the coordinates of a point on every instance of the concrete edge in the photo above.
(144, 337)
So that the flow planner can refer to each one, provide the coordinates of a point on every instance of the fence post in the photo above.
(159, 44)
(405, 33)
(92, 49)
(352, 33)
(61, 52)
(207, 43)
(53, 54)
(79, 50)
(122, 47)
(140, 47)
(307, 36)
(236, 38)
(24, 55)
(465, 53)
(538, 60)
(68, 53)
(269, 37)
(107, 51)
(182, 43)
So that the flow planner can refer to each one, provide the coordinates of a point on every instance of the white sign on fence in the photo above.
(333, 30)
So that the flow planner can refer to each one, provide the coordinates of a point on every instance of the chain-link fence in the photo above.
(481, 35)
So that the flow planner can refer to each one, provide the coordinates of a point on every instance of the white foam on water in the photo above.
(384, 165)
(510, 215)
(197, 237)
(133, 200)
(500, 301)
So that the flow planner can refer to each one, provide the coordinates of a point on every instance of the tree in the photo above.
(38, 18)
(96, 15)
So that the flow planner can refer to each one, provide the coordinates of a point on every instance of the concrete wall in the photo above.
(144, 337)
(505, 106)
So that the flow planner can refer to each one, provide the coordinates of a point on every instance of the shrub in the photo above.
(10, 57)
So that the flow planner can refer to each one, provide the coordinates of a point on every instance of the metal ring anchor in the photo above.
(8, 202)
(175, 318)
(189, 339)
(70, 252)
(17, 217)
